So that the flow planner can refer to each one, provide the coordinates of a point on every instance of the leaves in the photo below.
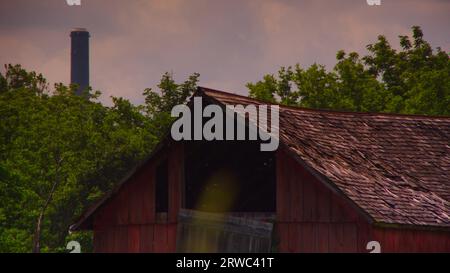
(70, 150)
(158, 105)
(415, 80)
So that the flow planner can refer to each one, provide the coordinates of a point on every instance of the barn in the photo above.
(337, 181)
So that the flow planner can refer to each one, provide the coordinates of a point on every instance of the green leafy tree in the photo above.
(158, 105)
(60, 152)
(414, 80)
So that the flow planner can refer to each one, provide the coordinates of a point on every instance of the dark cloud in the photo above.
(228, 42)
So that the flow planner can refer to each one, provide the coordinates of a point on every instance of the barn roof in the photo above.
(395, 168)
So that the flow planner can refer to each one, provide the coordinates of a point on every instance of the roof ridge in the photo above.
(299, 108)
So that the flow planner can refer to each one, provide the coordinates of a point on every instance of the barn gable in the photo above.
(393, 168)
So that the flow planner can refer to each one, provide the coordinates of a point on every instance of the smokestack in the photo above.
(79, 70)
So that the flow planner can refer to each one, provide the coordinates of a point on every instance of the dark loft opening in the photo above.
(229, 176)
(162, 187)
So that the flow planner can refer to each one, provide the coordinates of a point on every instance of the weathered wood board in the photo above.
(212, 232)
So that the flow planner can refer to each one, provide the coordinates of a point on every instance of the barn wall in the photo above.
(128, 222)
(310, 217)
(411, 240)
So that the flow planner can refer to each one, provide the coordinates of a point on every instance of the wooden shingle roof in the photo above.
(394, 167)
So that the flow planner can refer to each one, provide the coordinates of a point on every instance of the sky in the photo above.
(229, 42)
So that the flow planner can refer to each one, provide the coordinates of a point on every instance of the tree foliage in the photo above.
(158, 105)
(412, 80)
(60, 152)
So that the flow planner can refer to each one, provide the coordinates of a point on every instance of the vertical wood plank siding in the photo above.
(309, 217)
(312, 218)
(128, 223)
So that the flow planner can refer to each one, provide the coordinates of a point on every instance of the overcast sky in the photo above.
(229, 42)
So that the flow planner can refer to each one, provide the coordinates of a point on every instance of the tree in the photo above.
(414, 80)
(158, 105)
(60, 152)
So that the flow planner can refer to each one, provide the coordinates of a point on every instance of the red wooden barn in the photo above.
(337, 181)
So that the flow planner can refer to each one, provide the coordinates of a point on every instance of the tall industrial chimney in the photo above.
(79, 70)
